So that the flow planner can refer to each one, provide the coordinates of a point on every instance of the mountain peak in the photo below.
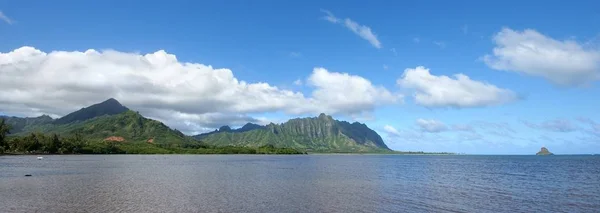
(109, 107)
(111, 101)
(323, 116)
(249, 126)
(225, 129)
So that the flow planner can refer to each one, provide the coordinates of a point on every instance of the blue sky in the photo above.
(529, 70)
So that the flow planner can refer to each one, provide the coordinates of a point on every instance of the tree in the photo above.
(54, 144)
(4, 130)
(33, 142)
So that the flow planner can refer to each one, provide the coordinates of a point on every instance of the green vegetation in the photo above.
(37, 143)
(24, 124)
(100, 129)
(110, 127)
(322, 134)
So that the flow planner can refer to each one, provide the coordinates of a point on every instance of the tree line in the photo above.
(38, 143)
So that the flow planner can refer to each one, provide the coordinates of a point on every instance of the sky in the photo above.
(461, 76)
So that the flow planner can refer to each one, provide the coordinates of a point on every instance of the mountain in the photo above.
(544, 151)
(128, 126)
(320, 134)
(245, 128)
(19, 124)
(106, 120)
(108, 107)
(110, 120)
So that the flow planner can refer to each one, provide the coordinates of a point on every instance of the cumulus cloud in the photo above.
(444, 91)
(530, 52)
(430, 125)
(5, 18)
(158, 85)
(556, 125)
(363, 31)
(352, 94)
(390, 130)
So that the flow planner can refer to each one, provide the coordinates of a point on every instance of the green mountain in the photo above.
(108, 107)
(106, 120)
(23, 124)
(319, 134)
(128, 125)
(110, 120)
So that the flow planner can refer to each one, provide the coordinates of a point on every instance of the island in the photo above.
(544, 151)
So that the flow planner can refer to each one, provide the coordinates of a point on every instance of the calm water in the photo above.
(313, 183)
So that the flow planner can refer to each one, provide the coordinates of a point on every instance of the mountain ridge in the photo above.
(110, 119)
(321, 133)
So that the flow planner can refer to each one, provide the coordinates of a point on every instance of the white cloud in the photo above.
(430, 125)
(385, 67)
(5, 18)
(416, 40)
(462, 127)
(330, 17)
(352, 94)
(556, 125)
(394, 51)
(440, 44)
(158, 85)
(295, 54)
(298, 82)
(444, 91)
(363, 31)
(391, 131)
(529, 52)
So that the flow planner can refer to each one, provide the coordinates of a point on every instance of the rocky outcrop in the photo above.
(544, 151)
(115, 139)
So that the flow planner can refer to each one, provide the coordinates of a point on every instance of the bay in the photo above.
(299, 183)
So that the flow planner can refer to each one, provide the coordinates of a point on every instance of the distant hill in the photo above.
(19, 124)
(129, 125)
(319, 134)
(108, 107)
(106, 120)
(245, 128)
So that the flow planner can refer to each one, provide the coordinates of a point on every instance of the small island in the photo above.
(544, 151)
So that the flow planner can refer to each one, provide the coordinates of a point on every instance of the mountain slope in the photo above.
(108, 107)
(129, 125)
(321, 134)
(23, 124)
(101, 121)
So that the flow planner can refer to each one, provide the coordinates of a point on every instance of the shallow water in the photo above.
(308, 183)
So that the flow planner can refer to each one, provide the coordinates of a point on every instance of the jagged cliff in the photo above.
(321, 134)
